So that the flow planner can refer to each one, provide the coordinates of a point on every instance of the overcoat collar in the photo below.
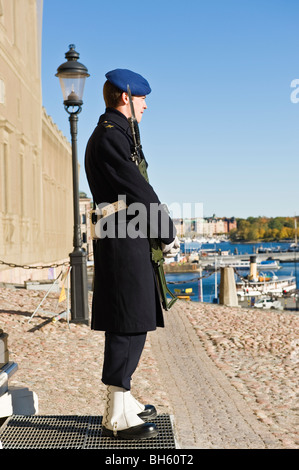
(117, 117)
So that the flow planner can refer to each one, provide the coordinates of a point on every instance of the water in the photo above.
(208, 283)
(240, 248)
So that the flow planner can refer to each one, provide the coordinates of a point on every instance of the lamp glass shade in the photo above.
(72, 87)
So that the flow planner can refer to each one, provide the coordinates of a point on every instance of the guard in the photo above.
(126, 298)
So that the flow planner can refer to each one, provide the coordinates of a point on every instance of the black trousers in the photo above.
(121, 357)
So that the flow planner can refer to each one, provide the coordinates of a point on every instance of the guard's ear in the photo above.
(125, 98)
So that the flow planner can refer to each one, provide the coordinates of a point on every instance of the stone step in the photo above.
(4, 353)
(5, 373)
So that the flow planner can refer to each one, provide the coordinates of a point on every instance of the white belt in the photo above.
(97, 214)
(113, 208)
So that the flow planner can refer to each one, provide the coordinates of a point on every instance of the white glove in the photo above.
(169, 251)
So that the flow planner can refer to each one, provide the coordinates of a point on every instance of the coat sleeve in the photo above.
(113, 159)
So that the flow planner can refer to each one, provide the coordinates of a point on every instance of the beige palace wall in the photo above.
(35, 158)
(57, 208)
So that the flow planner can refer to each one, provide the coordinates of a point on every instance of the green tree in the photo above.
(263, 228)
(253, 233)
(276, 223)
(243, 229)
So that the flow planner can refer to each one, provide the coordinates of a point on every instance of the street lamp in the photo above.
(72, 76)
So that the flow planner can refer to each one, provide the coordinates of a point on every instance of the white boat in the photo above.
(239, 264)
(212, 241)
(257, 284)
(266, 285)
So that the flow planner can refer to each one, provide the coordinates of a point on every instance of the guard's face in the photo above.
(139, 106)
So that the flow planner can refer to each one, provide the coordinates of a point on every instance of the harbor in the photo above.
(195, 275)
(232, 253)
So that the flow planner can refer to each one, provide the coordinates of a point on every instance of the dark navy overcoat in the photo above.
(125, 296)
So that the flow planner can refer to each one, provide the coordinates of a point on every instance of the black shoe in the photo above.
(149, 412)
(142, 431)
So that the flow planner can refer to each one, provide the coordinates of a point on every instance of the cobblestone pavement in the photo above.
(209, 412)
(227, 375)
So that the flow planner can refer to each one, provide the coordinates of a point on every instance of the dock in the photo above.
(209, 260)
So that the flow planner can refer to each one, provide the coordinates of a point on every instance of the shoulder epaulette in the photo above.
(107, 125)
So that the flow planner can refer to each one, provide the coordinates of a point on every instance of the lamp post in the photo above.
(72, 77)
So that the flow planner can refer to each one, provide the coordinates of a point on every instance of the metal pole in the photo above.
(216, 293)
(200, 292)
(79, 288)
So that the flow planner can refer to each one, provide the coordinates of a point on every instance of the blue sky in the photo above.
(221, 129)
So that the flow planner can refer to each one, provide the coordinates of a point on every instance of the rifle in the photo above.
(156, 251)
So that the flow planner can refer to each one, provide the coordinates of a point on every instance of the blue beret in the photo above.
(121, 78)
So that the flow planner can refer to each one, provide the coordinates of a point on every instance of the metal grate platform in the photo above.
(76, 432)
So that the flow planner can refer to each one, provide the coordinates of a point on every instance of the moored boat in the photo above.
(267, 264)
(256, 284)
(244, 264)
(267, 285)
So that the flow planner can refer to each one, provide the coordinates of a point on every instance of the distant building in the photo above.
(231, 224)
(36, 212)
(206, 226)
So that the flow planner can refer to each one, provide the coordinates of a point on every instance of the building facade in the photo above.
(204, 226)
(85, 208)
(35, 158)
